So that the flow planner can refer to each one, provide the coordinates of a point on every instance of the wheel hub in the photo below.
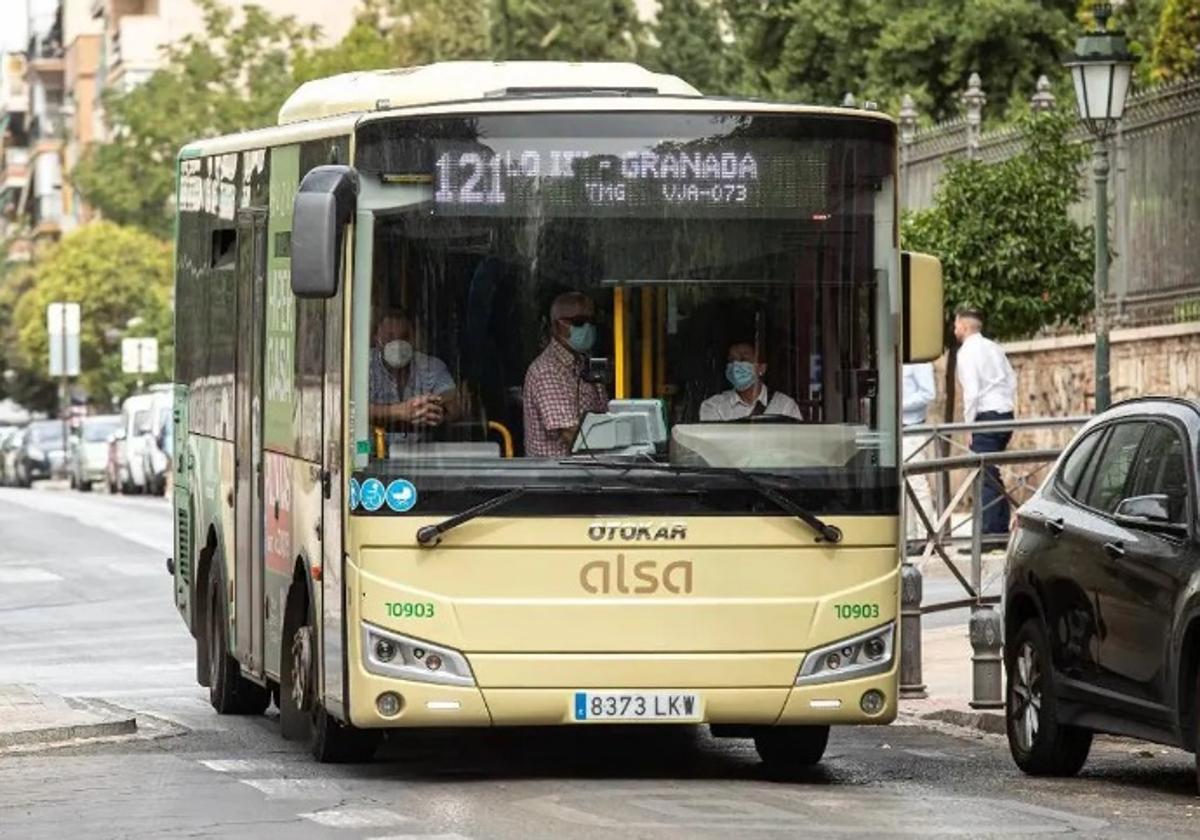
(1026, 694)
(302, 668)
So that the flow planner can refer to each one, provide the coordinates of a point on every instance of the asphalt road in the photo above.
(85, 609)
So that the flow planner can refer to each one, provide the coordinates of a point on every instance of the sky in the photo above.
(14, 16)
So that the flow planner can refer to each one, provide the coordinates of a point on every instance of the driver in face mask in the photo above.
(409, 389)
(749, 396)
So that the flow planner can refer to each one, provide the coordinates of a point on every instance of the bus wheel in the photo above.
(791, 747)
(301, 715)
(229, 692)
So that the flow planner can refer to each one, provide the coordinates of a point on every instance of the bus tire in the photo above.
(228, 691)
(301, 715)
(791, 747)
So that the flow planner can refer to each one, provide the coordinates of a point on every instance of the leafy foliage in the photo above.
(402, 33)
(690, 44)
(578, 30)
(115, 274)
(817, 50)
(1005, 236)
(229, 78)
(1175, 47)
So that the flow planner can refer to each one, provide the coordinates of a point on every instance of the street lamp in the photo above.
(1101, 68)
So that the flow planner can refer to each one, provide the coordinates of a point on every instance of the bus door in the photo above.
(248, 460)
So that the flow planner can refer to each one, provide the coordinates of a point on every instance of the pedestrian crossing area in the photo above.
(15, 571)
(273, 780)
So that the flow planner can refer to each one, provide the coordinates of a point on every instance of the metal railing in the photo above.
(960, 474)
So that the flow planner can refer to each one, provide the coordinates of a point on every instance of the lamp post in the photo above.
(908, 133)
(1101, 68)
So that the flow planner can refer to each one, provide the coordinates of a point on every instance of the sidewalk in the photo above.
(946, 669)
(30, 716)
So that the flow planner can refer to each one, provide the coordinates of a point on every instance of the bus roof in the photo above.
(455, 81)
(333, 106)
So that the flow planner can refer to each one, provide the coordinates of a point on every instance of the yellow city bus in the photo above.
(538, 393)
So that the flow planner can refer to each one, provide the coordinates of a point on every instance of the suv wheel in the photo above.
(1040, 745)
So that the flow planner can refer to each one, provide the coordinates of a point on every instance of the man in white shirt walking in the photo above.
(989, 389)
(918, 392)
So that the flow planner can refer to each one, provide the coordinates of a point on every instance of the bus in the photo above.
(516, 394)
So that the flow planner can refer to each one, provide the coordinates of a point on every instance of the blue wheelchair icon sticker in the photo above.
(401, 495)
(354, 494)
(372, 494)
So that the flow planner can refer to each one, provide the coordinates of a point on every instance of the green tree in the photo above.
(1006, 239)
(232, 77)
(690, 44)
(402, 33)
(116, 274)
(567, 30)
(23, 381)
(1177, 42)
(816, 51)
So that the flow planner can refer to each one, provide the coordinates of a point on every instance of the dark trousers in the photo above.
(995, 503)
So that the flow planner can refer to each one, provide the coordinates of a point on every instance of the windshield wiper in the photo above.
(825, 531)
(430, 535)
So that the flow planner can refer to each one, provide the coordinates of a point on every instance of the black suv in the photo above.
(1102, 591)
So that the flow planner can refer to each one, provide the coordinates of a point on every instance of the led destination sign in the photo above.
(636, 179)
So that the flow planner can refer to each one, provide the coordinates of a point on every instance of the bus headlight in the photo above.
(859, 656)
(389, 654)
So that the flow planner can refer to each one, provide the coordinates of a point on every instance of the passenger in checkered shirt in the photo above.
(556, 396)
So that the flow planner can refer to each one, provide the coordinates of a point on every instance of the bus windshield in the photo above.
(554, 293)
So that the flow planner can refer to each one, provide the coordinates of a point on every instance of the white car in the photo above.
(138, 415)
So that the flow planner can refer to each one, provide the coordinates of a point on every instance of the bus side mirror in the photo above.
(324, 205)
(921, 291)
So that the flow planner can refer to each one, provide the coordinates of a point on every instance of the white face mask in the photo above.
(397, 354)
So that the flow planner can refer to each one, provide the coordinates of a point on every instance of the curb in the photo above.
(55, 734)
(990, 722)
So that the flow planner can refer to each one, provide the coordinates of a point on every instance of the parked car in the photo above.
(42, 453)
(156, 453)
(1102, 591)
(138, 419)
(89, 450)
(9, 442)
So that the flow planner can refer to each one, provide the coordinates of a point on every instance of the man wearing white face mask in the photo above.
(748, 397)
(409, 389)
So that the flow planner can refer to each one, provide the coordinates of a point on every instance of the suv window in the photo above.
(1076, 463)
(1113, 468)
(1162, 468)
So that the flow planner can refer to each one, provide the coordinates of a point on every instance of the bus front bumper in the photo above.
(430, 705)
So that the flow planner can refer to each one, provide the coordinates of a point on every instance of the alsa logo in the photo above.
(636, 531)
(603, 577)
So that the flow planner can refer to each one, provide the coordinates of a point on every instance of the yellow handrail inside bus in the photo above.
(660, 346)
(619, 341)
(380, 442)
(647, 342)
(505, 435)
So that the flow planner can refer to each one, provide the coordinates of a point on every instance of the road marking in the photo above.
(27, 575)
(238, 765)
(290, 788)
(353, 817)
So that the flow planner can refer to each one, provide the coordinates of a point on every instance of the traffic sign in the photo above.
(139, 355)
(62, 326)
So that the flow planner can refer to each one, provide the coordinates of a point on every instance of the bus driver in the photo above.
(409, 389)
(556, 396)
(748, 397)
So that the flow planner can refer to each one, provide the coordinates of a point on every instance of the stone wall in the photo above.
(1055, 378)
